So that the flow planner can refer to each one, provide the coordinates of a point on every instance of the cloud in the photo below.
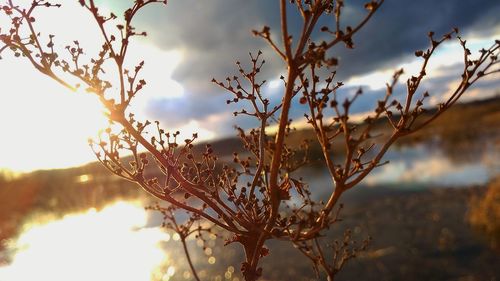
(213, 35)
(210, 35)
(196, 40)
(400, 28)
(218, 32)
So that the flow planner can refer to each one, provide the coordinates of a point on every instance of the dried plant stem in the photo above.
(256, 197)
(188, 257)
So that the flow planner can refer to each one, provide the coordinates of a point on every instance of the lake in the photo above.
(122, 241)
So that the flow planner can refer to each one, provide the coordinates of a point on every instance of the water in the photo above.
(111, 244)
(430, 166)
(119, 242)
(424, 166)
(124, 242)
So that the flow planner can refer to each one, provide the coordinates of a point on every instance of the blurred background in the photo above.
(433, 211)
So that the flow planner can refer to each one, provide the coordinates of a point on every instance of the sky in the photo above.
(191, 41)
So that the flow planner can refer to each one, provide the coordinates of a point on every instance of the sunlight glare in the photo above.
(275, 84)
(111, 244)
(84, 178)
(46, 123)
(45, 126)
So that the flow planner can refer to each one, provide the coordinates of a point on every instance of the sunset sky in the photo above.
(190, 41)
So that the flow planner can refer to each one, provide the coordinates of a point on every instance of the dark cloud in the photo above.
(216, 33)
(213, 34)
(400, 27)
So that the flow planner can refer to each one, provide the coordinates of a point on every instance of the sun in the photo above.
(43, 124)
(47, 126)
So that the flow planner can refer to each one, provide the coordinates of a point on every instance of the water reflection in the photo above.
(124, 242)
(111, 244)
(424, 165)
